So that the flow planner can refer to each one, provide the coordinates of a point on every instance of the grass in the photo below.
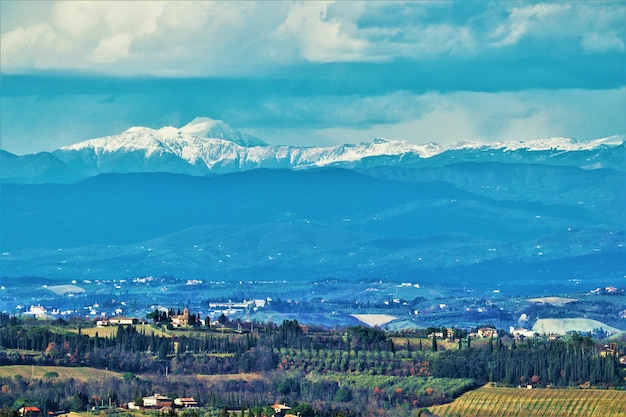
(112, 331)
(443, 344)
(517, 402)
(209, 378)
(38, 372)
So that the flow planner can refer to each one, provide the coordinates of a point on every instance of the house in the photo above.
(521, 333)
(119, 321)
(30, 411)
(485, 332)
(123, 321)
(157, 401)
(181, 320)
(279, 410)
(609, 350)
(187, 402)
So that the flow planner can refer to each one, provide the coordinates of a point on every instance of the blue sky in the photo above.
(313, 73)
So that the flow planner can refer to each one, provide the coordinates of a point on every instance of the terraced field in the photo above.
(514, 402)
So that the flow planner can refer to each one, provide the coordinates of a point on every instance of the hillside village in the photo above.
(388, 305)
(298, 367)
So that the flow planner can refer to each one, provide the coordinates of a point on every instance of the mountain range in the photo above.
(206, 201)
(206, 146)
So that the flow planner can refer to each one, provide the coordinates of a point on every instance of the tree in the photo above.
(434, 345)
(303, 410)
(79, 402)
(343, 395)
(51, 375)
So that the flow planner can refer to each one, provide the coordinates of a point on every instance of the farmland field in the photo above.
(511, 402)
(248, 377)
(110, 331)
(38, 372)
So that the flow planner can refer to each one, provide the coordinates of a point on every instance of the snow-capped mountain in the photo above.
(383, 208)
(206, 146)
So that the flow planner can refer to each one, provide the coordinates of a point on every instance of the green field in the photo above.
(109, 331)
(38, 372)
(519, 402)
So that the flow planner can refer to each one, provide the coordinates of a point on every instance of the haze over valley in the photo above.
(209, 203)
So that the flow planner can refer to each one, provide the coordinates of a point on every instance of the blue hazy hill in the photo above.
(467, 221)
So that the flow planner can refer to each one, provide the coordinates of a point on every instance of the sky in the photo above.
(312, 73)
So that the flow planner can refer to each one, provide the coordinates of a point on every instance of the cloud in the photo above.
(313, 71)
(318, 37)
(602, 42)
(246, 38)
(33, 122)
(443, 118)
(524, 21)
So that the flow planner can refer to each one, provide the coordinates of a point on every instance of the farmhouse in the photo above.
(485, 332)
(521, 333)
(187, 402)
(280, 409)
(181, 320)
(117, 321)
(157, 401)
(30, 411)
(609, 350)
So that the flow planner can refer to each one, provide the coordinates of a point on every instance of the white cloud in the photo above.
(602, 42)
(113, 48)
(319, 38)
(223, 37)
(527, 20)
(449, 118)
(33, 38)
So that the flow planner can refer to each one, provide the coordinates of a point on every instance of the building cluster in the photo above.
(521, 333)
(117, 321)
(163, 403)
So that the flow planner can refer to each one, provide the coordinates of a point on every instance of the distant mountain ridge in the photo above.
(329, 222)
(206, 146)
(151, 202)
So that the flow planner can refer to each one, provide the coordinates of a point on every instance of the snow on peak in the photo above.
(189, 139)
(213, 144)
(205, 127)
(547, 144)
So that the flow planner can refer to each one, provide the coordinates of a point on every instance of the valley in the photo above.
(328, 303)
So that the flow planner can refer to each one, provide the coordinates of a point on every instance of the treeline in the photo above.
(131, 351)
(539, 362)
(332, 371)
